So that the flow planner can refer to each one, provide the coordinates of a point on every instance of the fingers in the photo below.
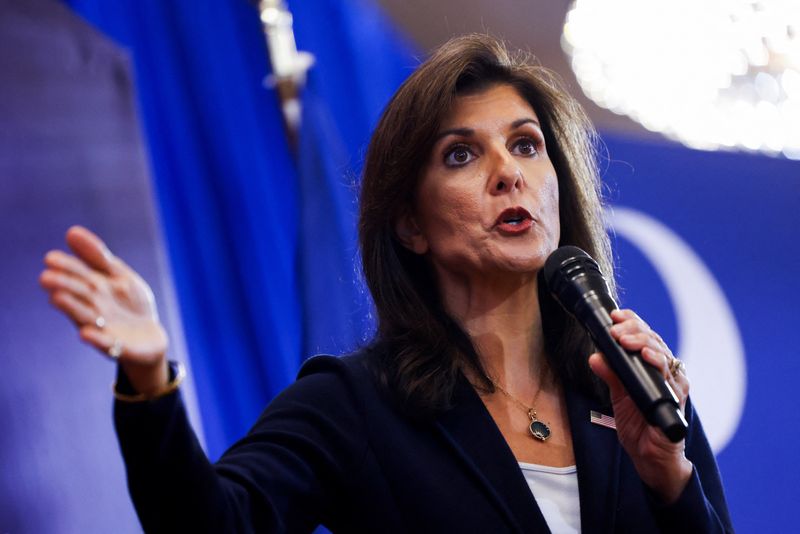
(679, 383)
(101, 340)
(92, 250)
(627, 322)
(600, 367)
(635, 335)
(86, 277)
(74, 308)
(72, 284)
(653, 351)
(643, 340)
(53, 281)
(61, 261)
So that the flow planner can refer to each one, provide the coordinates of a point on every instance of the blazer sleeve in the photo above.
(285, 475)
(702, 506)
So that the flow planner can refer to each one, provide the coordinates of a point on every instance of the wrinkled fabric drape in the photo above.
(262, 246)
(360, 61)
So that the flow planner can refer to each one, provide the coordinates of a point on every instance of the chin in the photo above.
(523, 265)
(529, 259)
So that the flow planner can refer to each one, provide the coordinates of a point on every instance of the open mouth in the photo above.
(513, 220)
(516, 216)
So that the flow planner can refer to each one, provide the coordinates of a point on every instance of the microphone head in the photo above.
(562, 258)
(572, 275)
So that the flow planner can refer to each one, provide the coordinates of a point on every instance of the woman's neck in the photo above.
(503, 320)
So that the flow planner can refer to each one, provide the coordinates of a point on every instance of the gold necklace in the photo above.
(539, 429)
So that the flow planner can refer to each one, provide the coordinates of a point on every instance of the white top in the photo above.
(556, 493)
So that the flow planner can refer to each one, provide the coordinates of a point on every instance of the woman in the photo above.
(470, 410)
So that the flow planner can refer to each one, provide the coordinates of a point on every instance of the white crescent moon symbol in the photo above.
(709, 340)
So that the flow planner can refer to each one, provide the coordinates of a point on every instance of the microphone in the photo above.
(576, 282)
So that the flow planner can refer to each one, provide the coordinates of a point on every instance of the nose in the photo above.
(506, 175)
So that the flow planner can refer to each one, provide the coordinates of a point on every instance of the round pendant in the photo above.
(539, 430)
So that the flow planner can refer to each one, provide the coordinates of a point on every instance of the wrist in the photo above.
(124, 392)
(147, 379)
(667, 481)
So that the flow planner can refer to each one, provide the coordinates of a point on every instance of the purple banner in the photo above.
(70, 153)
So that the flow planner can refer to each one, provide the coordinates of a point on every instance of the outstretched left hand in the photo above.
(660, 463)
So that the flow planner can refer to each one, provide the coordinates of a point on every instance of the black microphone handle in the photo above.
(644, 383)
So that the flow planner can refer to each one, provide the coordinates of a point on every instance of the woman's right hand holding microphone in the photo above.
(112, 306)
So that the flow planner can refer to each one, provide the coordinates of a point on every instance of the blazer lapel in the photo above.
(474, 436)
(597, 456)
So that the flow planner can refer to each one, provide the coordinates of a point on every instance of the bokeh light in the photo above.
(709, 73)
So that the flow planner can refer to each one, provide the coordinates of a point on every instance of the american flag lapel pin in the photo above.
(602, 420)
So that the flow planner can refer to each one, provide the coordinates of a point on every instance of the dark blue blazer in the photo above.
(332, 450)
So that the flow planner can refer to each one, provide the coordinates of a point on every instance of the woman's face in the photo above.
(487, 202)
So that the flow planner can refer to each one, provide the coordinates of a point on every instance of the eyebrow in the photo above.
(467, 132)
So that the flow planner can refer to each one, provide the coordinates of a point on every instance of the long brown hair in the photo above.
(419, 350)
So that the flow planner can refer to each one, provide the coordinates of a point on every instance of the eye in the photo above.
(458, 155)
(525, 147)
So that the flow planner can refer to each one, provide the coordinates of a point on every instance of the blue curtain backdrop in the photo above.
(255, 240)
(361, 60)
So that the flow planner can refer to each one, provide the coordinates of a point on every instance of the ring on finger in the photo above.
(676, 366)
(100, 322)
(115, 350)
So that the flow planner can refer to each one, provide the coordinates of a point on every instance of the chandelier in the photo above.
(710, 73)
